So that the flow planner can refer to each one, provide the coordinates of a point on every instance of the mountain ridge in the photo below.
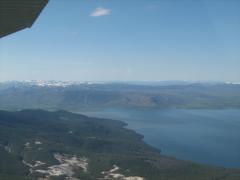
(74, 97)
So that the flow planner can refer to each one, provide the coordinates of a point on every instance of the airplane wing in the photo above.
(16, 15)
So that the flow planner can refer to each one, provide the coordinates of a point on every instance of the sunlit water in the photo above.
(205, 136)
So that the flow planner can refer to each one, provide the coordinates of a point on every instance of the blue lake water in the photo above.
(204, 136)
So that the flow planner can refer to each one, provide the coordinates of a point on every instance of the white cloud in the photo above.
(100, 11)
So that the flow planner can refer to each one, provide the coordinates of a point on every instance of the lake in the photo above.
(204, 136)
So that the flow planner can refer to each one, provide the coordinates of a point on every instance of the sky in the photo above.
(127, 40)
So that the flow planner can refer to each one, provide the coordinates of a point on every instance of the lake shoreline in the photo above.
(212, 158)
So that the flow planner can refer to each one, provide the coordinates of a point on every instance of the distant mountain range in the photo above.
(74, 96)
(54, 83)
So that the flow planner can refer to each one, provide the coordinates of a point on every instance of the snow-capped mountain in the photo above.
(42, 83)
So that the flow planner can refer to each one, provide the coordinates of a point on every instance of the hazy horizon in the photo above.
(122, 81)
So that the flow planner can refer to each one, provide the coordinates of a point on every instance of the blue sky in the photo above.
(127, 40)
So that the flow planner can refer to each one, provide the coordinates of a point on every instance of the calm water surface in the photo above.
(205, 136)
